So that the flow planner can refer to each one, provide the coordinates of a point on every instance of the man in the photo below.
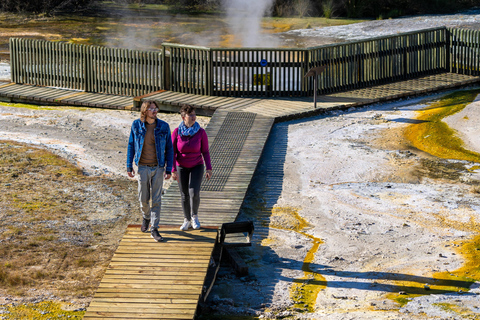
(150, 146)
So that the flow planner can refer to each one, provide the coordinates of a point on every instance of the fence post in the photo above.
(88, 68)
(209, 80)
(448, 67)
(166, 69)
(305, 67)
(13, 60)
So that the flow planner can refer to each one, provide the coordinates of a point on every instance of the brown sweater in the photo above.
(149, 154)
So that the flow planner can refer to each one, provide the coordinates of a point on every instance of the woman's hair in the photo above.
(186, 109)
(144, 107)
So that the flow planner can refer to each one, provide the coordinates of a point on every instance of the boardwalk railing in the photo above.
(245, 71)
(89, 68)
(364, 63)
(464, 51)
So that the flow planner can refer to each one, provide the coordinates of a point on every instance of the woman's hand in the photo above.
(208, 174)
(174, 175)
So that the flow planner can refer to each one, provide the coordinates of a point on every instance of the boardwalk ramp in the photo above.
(150, 280)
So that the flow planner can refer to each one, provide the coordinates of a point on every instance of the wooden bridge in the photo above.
(149, 280)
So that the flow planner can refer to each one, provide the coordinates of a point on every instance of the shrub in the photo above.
(328, 8)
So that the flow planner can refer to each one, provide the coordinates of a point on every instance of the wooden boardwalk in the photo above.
(282, 109)
(127, 290)
(148, 280)
(235, 154)
(12, 92)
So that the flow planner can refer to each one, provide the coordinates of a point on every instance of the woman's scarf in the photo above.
(183, 130)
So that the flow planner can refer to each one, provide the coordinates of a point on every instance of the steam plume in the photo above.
(244, 18)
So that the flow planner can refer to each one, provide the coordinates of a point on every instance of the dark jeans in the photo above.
(189, 182)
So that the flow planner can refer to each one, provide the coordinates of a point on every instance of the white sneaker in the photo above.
(185, 225)
(195, 222)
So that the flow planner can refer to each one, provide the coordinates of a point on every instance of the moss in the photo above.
(42, 310)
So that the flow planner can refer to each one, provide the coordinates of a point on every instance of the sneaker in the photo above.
(186, 224)
(145, 225)
(156, 236)
(195, 222)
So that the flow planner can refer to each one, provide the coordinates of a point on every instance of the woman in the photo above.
(190, 156)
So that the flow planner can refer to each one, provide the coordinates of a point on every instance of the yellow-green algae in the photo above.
(435, 137)
(40, 311)
(39, 107)
(305, 290)
(469, 272)
(450, 307)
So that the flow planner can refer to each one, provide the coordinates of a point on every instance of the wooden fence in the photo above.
(245, 71)
(464, 51)
(364, 63)
(89, 68)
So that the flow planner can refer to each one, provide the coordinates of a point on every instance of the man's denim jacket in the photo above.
(163, 144)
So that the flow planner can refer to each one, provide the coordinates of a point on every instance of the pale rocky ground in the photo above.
(349, 173)
(351, 177)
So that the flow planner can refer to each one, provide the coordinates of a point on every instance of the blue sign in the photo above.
(263, 63)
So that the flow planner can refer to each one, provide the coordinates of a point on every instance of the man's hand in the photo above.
(167, 176)
(131, 174)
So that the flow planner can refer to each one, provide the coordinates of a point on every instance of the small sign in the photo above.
(263, 62)
(262, 79)
(314, 71)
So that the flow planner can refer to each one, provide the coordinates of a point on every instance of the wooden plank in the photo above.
(97, 315)
(146, 283)
(7, 85)
(149, 300)
(152, 307)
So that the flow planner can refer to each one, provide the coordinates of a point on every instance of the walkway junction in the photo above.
(245, 91)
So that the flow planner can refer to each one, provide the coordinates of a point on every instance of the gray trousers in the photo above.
(150, 184)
